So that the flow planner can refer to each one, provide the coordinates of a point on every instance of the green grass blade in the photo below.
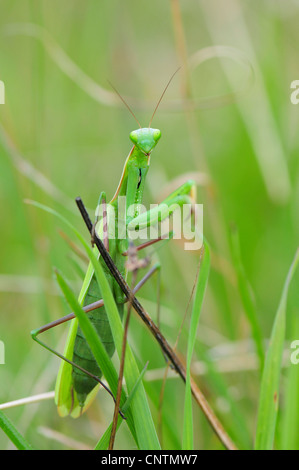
(289, 439)
(198, 300)
(16, 438)
(145, 430)
(247, 297)
(104, 441)
(132, 394)
(268, 403)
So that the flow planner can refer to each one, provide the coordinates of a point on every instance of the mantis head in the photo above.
(145, 139)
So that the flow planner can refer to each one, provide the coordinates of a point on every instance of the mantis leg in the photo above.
(90, 307)
(36, 332)
(144, 245)
(184, 195)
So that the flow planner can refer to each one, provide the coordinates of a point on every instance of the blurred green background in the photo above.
(57, 141)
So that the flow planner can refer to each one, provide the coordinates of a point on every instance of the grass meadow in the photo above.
(228, 122)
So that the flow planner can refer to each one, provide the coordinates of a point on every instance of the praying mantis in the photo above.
(79, 375)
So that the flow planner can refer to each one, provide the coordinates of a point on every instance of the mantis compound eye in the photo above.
(156, 135)
(134, 137)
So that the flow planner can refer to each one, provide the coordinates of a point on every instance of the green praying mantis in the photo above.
(79, 375)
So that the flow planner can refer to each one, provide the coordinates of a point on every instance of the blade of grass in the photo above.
(268, 403)
(121, 371)
(104, 441)
(16, 438)
(289, 439)
(198, 300)
(145, 430)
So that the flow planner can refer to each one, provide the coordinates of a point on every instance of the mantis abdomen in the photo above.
(82, 355)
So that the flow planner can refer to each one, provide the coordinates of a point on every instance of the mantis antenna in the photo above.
(161, 97)
(125, 103)
(157, 105)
